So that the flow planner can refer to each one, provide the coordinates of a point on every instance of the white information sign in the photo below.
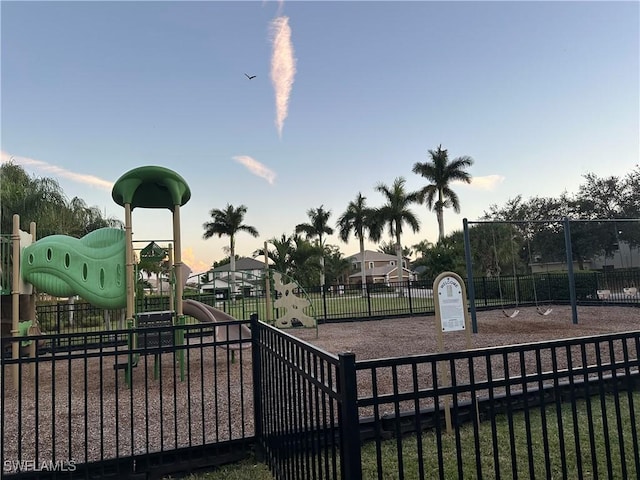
(452, 311)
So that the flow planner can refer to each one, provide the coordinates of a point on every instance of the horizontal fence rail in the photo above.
(377, 300)
(115, 409)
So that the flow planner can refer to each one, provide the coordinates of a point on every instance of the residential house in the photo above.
(379, 268)
(246, 280)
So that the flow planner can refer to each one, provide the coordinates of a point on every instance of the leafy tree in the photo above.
(225, 261)
(364, 222)
(43, 201)
(228, 222)
(607, 198)
(337, 268)
(296, 257)
(317, 228)
(280, 255)
(446, 256)
(438, 195)
(84, 219)
(150, 267)
(422, 247)
(611, 198)
(395, 213)
(304, 261)
(630, 204)
(34, 199)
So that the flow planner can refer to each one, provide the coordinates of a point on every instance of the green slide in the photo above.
(92, 267)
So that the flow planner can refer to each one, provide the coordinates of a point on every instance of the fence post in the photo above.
(58, 315)
(471, 289)
(409, 290)
(572, 280)
(350, 453)
(257, 383)
(484, 290)
(368, 299)
(324, 300)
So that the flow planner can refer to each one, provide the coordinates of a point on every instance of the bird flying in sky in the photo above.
(250, 77)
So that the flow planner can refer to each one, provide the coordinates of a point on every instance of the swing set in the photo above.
(566, 227)
(515, 312)
(541, 310)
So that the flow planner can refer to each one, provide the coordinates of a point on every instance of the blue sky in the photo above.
(537, 93)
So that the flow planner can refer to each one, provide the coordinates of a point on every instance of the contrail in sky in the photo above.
(256, 168)
(90, 180)
(283, 67)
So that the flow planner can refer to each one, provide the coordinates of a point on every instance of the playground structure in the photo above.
(100, 268)
(18, 309)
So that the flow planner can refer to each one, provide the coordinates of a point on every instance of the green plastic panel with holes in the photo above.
(92, 267)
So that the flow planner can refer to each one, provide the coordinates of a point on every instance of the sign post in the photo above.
(452, 314)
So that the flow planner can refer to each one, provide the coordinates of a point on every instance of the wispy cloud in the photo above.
(488, 182)
(283, 67)
(256, 168)
(85, 179)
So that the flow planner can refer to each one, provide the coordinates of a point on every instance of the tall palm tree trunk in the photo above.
(440, 217)
(232, 269)
(362, 269)
(399, 266)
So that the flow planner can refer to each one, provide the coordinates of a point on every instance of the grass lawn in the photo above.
(546, 451)
(347, 306)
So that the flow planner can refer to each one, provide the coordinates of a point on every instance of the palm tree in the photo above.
(422, 247)
(396, 213)
(363, 222)
(228, 222)
(317, 228)
(390, 248)
(280, 255)
(441, 172)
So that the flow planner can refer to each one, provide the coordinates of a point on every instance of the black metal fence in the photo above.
(117, 410)
(307, 419)
(352, 302)
(559, 409)
(592, 288)
(123, 410)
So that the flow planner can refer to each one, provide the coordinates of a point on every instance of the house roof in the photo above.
(378, 271)
(371, 256)
(242, 263)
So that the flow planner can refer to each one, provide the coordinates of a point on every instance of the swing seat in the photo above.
(510, 315)
(543, 311)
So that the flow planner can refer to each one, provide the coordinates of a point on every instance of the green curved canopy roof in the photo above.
(151, 187)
